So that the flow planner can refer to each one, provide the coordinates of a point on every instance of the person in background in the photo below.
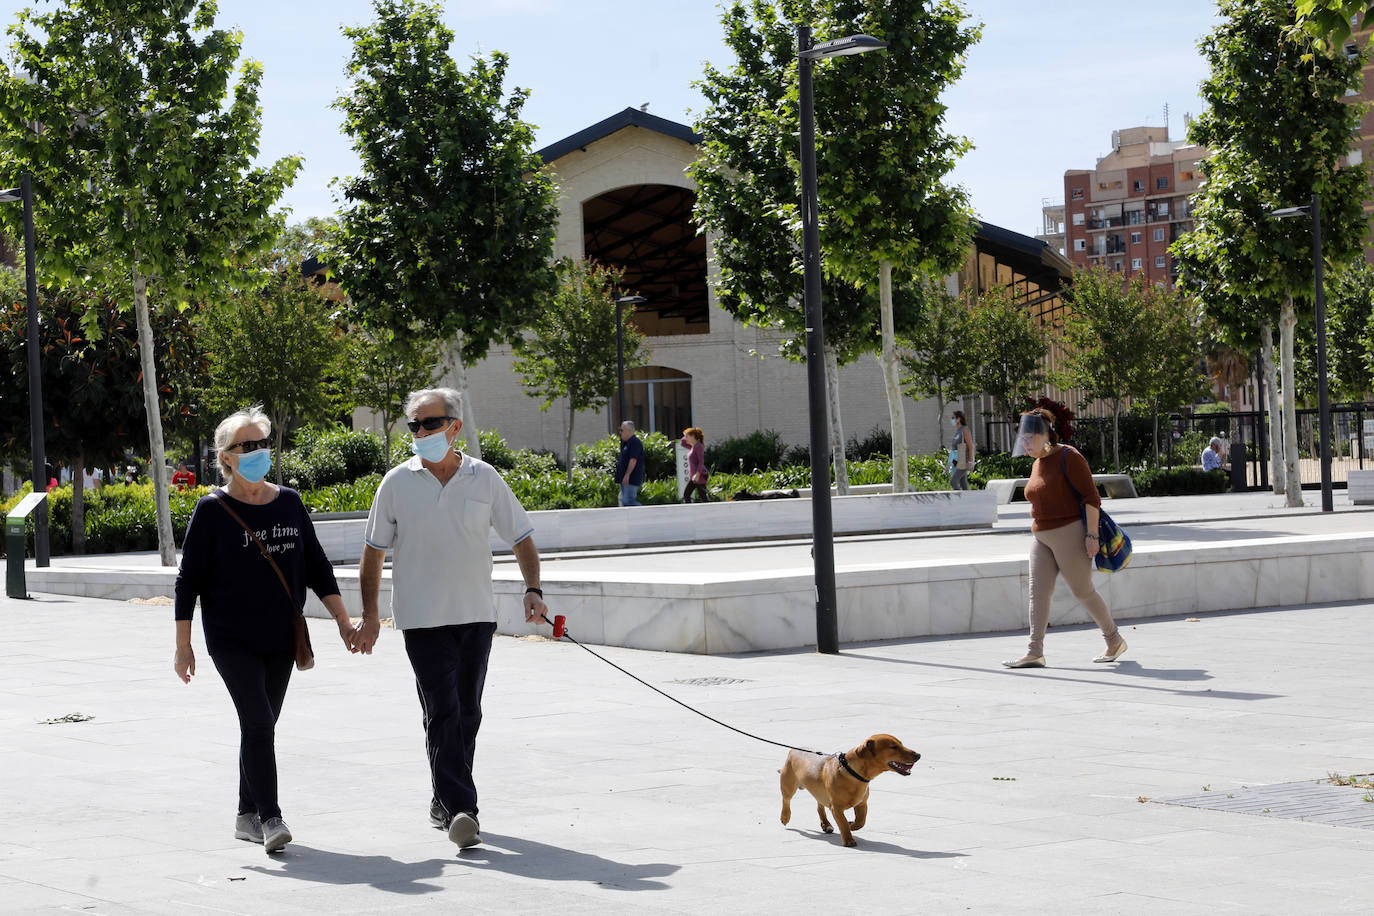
(92, 478)
(247, 615)
(183, 479)
(1062, 541)
(694, 440)
(629, 467)
(1213, 457)
(960, 452)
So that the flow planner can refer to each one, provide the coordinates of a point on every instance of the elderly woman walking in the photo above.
(249, 604)
(1062, 541)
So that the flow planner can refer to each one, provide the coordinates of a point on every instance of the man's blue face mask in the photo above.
(431, 448)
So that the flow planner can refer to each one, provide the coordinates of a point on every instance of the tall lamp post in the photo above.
(1314, 209)
(620, 303)
(24, 194)
(822, 526)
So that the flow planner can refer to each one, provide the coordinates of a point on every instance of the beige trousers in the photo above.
(1060, 550)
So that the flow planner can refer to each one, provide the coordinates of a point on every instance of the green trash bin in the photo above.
(15, 526)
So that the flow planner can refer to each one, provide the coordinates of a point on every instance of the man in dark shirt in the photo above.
(629, 467)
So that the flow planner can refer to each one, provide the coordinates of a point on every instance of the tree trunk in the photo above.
(572, 415)
(1156, 435)
(1288, 320)
(279, 432)
(1271, 381)
(460, 371)
(832, 386)
(79, 503)
(891, 382)
(166, 546)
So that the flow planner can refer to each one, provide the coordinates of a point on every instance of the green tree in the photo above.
(1329, 23)
(143, 163)
(1278, 126)
(1350, 331)
(571, 352)
(1107, 342)
(1169, 371)
(935, 358)
(382, 368)
(1007, 347)
(272, 341)
(449, 224)
(93, 404)
(887, 217)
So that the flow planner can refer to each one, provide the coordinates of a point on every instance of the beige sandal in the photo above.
(1027, 661)
(1110, 656)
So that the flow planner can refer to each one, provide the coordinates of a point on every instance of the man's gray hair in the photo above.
(229, 428)
(1216, 441)
(628, 424)
(451, 397)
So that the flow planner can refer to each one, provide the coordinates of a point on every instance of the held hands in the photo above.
(184, 663)
(348, 634)
(366, 633)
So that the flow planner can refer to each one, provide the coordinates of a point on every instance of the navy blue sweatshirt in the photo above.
(241, 598)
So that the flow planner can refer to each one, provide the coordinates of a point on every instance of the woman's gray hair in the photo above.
(229, 427)
(452, 398)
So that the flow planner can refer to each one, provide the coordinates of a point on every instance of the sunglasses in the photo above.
(249, 445)
(428, 423)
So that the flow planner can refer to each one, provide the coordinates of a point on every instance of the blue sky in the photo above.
(1043, 91)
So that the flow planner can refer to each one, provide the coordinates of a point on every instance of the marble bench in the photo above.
(1115, 486)
(1360, 487)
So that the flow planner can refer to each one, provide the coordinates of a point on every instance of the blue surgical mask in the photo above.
(953, 421)
(254, 466)
(431, 448)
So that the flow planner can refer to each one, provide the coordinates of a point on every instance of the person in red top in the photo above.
(183, 479)
(1062, 544)
(694, 440)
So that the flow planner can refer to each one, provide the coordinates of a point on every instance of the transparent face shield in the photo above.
(1031, 435)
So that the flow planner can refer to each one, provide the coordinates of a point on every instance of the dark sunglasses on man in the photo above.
(250, 445)
(430, 424)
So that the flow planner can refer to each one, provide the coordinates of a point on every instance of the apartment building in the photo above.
(1125, 213)
(1363, 147)
(1052, 226)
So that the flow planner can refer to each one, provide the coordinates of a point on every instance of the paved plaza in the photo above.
(1038, 791)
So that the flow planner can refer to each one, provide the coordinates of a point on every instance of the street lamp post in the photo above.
(1314, 209)
(822, 526)
(620, 355)
(24, 194)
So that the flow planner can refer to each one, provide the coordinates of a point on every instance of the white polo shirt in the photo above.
(438, 536)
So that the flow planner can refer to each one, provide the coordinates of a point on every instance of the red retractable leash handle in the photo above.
(560, 631)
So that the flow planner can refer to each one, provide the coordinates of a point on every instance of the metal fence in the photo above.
(1247, 439)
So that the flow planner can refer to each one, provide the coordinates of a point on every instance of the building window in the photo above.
(1135, 238)
(1076, 194)
(1078, 219)
(1355, 157)
(1162, 183)
(1116, 266)
(1159, 235)
(1135, 263)
(1186, 176)
(1159, 261)
(1137, 185)
(1080, 244)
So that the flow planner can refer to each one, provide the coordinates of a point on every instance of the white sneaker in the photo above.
(248, 827)
(275, 834)
(464, 829)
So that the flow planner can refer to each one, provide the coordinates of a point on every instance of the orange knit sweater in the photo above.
(1053, 504)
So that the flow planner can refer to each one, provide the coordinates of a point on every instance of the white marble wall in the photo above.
(1360, 487)
(701, 523)
(742, 612)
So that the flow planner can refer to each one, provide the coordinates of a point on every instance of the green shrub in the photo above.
(998, 466)
(1178, 481)
(758, 451)
(877, 444)
(601, 455)
(327, 457)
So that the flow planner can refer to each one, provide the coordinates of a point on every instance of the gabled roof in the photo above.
(630, 117)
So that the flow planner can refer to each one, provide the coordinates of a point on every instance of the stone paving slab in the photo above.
(600, 796)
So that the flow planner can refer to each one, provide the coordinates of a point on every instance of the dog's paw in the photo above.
(851, 842)
(855, 825)
(786, 816)
(826, 828)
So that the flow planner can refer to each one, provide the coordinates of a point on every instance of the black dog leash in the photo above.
(560, 632)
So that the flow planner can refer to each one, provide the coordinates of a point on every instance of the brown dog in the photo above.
(840, 782)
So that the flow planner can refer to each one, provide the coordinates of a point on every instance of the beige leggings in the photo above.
(1060, 550)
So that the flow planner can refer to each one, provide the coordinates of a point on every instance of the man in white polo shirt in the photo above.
(435, 513)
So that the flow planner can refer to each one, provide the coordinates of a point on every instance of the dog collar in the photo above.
(849, 769)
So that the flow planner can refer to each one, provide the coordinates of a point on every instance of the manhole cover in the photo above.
(1318, 800)
(711, 681)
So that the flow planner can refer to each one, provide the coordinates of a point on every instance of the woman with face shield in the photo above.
(1061, 544)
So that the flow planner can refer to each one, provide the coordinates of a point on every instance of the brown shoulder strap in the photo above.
(261, 547)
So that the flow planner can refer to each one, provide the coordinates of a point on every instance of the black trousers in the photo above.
(257, 685)
(700, 489)
(450, 665)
